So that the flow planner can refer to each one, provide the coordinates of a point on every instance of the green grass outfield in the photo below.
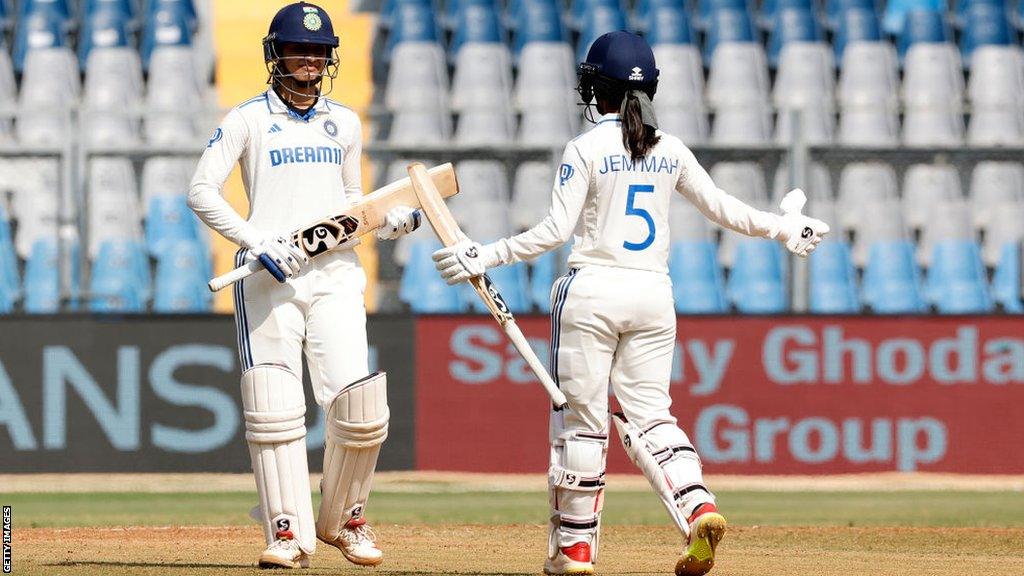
(743, 508)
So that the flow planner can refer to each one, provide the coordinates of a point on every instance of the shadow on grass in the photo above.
(190, 565)
(193, 565)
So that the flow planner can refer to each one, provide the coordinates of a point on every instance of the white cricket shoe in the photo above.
(573, 559)
(284, 553)
(357, 542)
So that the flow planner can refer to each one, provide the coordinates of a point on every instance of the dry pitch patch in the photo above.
(519, 549)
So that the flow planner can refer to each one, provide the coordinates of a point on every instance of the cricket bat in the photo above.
(364, 217)
(447, 229)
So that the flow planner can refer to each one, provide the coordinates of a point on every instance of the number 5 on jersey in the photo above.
(632, 210)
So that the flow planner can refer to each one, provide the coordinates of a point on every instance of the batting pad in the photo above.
(275, 428)
(576, 490)
(357, 425)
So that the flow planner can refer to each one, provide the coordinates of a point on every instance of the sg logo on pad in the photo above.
(565, 172)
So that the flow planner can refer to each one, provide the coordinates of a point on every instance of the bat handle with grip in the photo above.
(235, 275)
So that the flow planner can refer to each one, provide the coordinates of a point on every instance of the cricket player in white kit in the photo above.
(299, 154)
(613, 318)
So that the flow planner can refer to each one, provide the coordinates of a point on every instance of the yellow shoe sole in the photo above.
(699, 557)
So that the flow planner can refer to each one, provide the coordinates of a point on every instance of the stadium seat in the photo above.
(706, 10)
(756, 285)
(113, 202)
(728, 26)
(681, 75)
(891, 282)
(181, 274)
(833, 280)
(412, 22)
(36, 207)
(168, 221)
(818, 186)
(869, 75)
(668, 25)
(957, 282)
(985, 24)
(768, 15)
(930, 126)
(601, 17)
(553, 126)
(792, 25)
(537, 21)
(742, 124)
(51, 82)
(417, 78)
(686, 223)
(61, 8)
(687, 122)
(923, 26)
(476, 22)
(113, 78)
(531, 194)
(744, 180)
(482, 78)
(738, 75)
(805, 87)
(165, 176)
(42, 28)
(547, 73)
(1006, 283)
(581, 12)
(421, 287)
(482, 182)
(644, 7)
(173, 96)
(183, 9)
(513, 282)
(102, 30)
(899, 14)
(418, 127)
(165, 27)
(42, 278)
(996, 92)
(857, 24)
(860, 183)
(947, 220)
(485, 127)
(10, 280)
(120, 278)
(932, 76)
(993, 186)
(923, 186)
(128, 9)
(697, 284)
(885, 225)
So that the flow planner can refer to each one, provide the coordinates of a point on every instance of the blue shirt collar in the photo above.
(277, 106)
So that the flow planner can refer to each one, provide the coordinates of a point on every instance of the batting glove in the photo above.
(801, 234)
(280, 257)
(462, 261)
(399, 221)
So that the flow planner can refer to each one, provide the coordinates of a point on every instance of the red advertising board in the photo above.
(757, 395)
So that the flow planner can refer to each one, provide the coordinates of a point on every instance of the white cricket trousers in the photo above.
(612, 326)
(320, 313)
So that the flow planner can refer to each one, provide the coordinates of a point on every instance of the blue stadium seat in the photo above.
(580, 11)
(833, 280)
(984, 25)
(835, 8)
(707, 8)
(537, 21)
(792, 25)
(696, 277)
(180, 285)
(422, 287)
(165, 28)
(756, 283)
(957, 282)
(644, 7)
(168, 219)
(767, 17)
(923, 25)
(412, 21)
(855, 25)
(1006, 284)
(512, 282)
(476, 22)
(388, 10)
(897, 11)
(10, 284)
(41, 29)
(892, 282)
(666, 25)
(454, 10)
(126, 8)
(102, 30)
(599, 20)
(183, 9)
(543, 272)
(965, 6)
(42, 278)
(727, 25)
(120, 278)
(60, 8)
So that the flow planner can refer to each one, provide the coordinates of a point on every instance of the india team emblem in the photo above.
(565, 172)
(331, 128)
(312, 21)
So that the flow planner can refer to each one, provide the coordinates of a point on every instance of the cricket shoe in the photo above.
(284, 553)
(357, 542)
(707, 527)
(573, 559)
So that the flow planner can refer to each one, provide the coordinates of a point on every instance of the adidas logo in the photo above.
(274, 128)
(637, 75)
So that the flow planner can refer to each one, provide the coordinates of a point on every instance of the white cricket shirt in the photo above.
(296, 169)
(616, 209)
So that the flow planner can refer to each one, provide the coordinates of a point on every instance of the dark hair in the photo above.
(637, 138)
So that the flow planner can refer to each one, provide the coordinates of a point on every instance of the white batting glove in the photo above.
(280, 257)
(462, 261)
(801, 234)
(399, 221)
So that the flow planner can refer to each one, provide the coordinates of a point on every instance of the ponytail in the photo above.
(637, 137)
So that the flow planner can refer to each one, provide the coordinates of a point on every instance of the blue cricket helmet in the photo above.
(299, 23)
(622, 56)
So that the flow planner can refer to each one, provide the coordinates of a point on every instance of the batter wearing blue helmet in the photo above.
(613, 316)
(299, 154)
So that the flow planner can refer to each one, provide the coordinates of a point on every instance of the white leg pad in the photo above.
(357, 425)
(668, 460)
(576, 490)
(274, 408)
